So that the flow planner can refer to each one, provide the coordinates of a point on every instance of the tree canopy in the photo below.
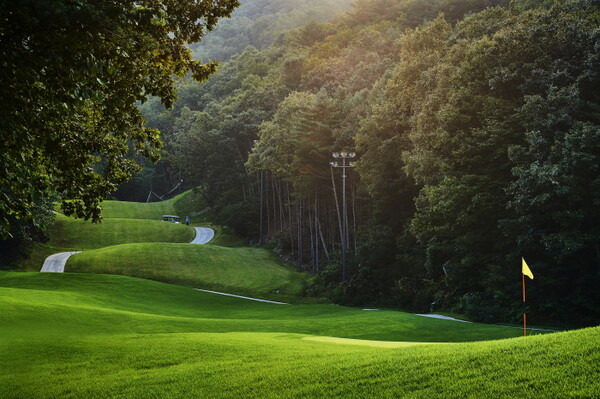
(475, 125)
(72, 71)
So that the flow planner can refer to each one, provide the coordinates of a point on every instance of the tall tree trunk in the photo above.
(274, 198)
(323, 240)
(281, 212)
(299, 221)
(267, 208)
(290, 229)
(261, 230)
(337, 205)
(311, 231)
(353, 217)
(316, 224)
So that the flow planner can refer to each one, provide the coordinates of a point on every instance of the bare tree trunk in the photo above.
(337, 206)
(311, 231)
(323, 240)
(274, 227)
(332, 230)
(353, 217)
(316, 233)
(299, 219)
(290, 219)
(261, 230)
(268, 210)
(281, 211)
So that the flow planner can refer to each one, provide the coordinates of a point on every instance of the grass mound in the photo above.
(79, 335)
(246, 271)
(141, 210)
(80, 234)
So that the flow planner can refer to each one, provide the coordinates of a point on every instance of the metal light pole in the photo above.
(344, 155)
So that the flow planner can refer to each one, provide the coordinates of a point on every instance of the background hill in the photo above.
(258, 23)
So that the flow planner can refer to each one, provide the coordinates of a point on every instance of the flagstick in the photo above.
(524, 313)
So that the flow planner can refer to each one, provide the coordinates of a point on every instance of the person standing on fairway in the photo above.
(187, 220)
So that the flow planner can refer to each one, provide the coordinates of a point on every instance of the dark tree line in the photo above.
(71, 73)
(476, 126)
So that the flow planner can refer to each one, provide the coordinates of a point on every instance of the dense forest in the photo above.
(476, 128)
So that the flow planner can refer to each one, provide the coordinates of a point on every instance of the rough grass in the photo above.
(224, 237)
(141, 210)
(81, 234)
(76, 335)
(246, 271)
(69, 234)
(124, 222)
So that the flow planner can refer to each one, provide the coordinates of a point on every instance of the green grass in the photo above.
(141, 210)
(102, 335)
(246, 271)
(76, 304)
(79, 335)
(224, 237)
(192, 204)
(69, 234)
(81, 234)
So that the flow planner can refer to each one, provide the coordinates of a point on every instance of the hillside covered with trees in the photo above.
(476, 131)
(476, 128)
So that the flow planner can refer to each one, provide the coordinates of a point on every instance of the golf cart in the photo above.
(170, 218)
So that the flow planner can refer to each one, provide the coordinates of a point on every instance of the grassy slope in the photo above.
(69, 234)
(86, 335)
(86, 303)
(102, 336)
(77, 233)
(140, 210)
(248, 271)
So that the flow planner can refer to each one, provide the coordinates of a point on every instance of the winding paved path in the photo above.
(243, 297)
(439, 316)
(203, 235)
(56, 263)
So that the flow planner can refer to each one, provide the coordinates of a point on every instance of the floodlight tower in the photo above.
(344, 155)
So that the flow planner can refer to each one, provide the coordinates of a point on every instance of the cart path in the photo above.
(439, 316)
(203, 235)
(56, 263)
(242, 297)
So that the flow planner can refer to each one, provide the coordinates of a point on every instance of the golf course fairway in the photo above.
(244, 271)
(86, 335)
(126, 321)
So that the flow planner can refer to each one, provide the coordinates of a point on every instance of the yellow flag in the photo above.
(526, 270)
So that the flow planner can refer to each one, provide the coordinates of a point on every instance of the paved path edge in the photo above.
(242, 297)
(56, 263)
